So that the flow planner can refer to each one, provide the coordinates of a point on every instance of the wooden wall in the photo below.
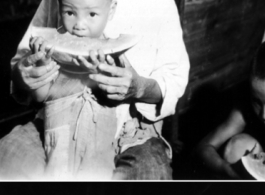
(221, 37)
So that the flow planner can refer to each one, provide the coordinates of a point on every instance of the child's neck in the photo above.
(103, 36)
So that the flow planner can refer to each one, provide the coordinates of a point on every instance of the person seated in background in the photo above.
(242, 132)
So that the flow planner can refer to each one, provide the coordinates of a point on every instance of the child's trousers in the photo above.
(78, 144)
(22, 156)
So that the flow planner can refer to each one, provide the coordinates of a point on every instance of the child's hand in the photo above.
(38, 45)
(91, 65)
(33, 77)
(37, 68)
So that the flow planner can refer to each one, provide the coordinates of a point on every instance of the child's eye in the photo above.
(92, 14)
(69, 13)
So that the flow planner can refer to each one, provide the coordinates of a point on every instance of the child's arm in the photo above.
(208, 147)
(41, 93)
(37, 44)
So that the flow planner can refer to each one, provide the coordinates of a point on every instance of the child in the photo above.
(144, 92)
(243, 131)
(72, 110)
(79, 23)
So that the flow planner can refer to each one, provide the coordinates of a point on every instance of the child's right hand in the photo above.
(38, 45)
(33, 77)
(29, 73)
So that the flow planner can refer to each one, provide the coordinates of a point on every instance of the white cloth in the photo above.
(160, 54)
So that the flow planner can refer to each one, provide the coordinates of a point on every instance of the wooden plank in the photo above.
(219, 54)
(224, 36)
(220, 81)
(221, 37)
(223, 56)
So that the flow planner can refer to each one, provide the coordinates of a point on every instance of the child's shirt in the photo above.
(78, 143)
(73, 118)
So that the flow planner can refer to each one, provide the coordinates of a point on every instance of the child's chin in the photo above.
(80, 34)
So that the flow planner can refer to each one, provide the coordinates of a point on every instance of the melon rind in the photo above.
(67, 47)
(253, 166)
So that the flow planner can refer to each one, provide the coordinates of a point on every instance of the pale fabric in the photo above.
(161, 53)
(78, 144)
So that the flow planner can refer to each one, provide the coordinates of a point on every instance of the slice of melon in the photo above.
(255, 165)
(67, 46)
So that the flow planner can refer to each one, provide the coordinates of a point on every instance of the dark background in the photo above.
(15, 16)
(145, 188)
(221, 37)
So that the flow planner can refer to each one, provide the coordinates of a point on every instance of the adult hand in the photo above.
(118, 83)
(91, 65)
(30, 77)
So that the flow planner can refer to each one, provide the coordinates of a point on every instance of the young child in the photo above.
(78, 22)
(72, 111)
(243, 130)
(115, 129)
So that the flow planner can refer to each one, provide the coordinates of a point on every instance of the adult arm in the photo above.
(171, 70)
(125, 83)
(157, 91)
(208, 147)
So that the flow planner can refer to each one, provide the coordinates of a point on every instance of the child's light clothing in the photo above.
(75, 131)
(79, 136)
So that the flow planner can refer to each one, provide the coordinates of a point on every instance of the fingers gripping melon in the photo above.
(67, 46)
(255, 165)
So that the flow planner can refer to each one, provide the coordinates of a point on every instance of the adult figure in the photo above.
(160, 64)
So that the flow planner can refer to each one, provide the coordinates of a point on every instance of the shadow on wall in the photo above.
(14, 9)
(211, 108)
(11, 32)
(15, 16)
(221, 38)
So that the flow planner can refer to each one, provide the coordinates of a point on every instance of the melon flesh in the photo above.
(67, 46)
(255, 165)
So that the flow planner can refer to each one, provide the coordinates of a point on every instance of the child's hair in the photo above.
(60, 1)
(258, 66)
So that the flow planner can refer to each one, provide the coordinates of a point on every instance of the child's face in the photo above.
(258, 97)
(86, 18)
